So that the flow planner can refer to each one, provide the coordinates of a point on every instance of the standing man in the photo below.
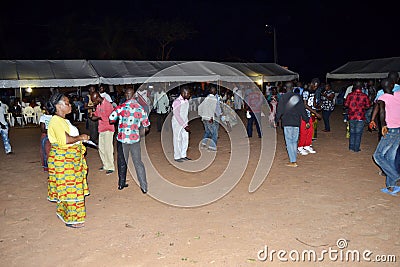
(106, 131)
(312, 102)
(327, 106)
(388, 146)
(142, 96)
(238, 97)
(4, 129)
(91, 125)
(291, 112)
(254, 101)
(356, 102)
(180, 126)
(210, 112)
(371, 90)
(161, 104)
(131, 116)
(104, 94)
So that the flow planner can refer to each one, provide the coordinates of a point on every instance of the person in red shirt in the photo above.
(106, 131)
(357, 103)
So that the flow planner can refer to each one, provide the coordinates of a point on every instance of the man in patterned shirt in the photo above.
(130, 116)
(357, 102)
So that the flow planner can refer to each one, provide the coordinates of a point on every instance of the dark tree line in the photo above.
(72, 37)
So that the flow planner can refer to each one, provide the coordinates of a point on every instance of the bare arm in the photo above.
(74, 139)
(372, 124)
(43, 127)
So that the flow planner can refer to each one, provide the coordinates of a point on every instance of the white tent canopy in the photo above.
(366, 69)
(46, 73)
(75, 73)
(131, 72)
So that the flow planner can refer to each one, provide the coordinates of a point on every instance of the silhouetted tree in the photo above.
(166, 33)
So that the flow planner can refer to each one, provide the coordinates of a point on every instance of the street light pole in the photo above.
(275, 45)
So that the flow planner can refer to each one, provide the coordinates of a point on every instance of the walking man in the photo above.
(180, 126)
(210, 112)
(106, 131)
(357, 103)
(386, 151)
(291, 111)
(254, 101)
(130, 116)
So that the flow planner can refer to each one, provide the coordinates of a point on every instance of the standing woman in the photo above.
(44, 139)
(67, 183)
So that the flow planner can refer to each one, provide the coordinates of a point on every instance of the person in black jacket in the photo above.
(290, 111)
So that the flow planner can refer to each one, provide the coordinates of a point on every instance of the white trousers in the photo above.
(180, 140)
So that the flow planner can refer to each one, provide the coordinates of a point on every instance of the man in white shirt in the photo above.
(180, 126)
(161, 104)
(4, 129)
(210, 111)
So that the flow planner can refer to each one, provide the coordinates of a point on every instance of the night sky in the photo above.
(313, 37)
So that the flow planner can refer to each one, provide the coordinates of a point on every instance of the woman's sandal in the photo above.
(78, 225)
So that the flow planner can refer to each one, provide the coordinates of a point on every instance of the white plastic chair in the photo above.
(19, 118)
(29, 115)
(10, 119)
(80, 118)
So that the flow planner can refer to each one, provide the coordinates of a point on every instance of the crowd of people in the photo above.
(124, 117)
(299, 113)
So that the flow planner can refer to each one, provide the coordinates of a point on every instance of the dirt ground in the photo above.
(334, 194)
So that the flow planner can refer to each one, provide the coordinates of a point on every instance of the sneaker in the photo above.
(108, 172)
(179, 160)
(302, 151)
(396, 189)
(292, 164)
(309, 149)
(387, 191)
(101, 169)
(214, 149)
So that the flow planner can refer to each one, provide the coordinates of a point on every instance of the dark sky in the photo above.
(313, 37)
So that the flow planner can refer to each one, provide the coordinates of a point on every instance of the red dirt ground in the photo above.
(333, 194)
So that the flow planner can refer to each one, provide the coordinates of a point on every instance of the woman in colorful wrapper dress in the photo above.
(67, 183)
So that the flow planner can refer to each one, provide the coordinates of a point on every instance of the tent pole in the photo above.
(262, 84)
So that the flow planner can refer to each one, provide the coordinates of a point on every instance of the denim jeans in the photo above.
(255, 117)
(325, 115)
(6, 141)
(356, 131)
(43, 142)
(210, 132)
(291, 138)
(123, 151)
(368, 114)
(385, 156)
